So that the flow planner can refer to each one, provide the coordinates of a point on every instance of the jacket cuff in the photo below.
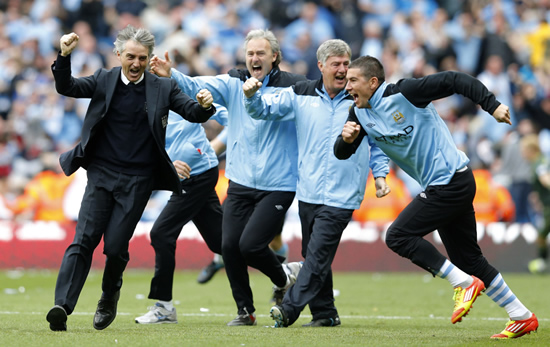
(62, 62)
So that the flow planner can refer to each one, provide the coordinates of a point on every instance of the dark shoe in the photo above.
(208, 272)
(106, 311)
(323, 322)
(243, 319)
(277, 296)
(57, 317)
(279, 316)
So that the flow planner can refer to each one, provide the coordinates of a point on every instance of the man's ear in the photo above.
(373, 82)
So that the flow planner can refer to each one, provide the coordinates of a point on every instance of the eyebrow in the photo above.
(128, 54)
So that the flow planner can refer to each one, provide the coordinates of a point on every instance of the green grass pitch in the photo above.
(376, 309)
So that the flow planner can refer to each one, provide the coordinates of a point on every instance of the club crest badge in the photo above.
(398, 117)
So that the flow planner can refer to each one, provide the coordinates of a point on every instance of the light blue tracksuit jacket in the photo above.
(260, 155)
(404, 123)
(322, 178)
(187, 142)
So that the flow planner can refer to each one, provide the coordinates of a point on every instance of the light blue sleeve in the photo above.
(275, 107)
(220, 86)
(379, 161)
(221, 114)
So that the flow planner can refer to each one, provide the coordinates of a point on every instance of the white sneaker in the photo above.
(158, 315)
(292, 270)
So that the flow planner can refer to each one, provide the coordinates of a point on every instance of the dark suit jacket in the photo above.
(162, 95)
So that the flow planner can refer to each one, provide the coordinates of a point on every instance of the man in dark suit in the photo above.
(122, 148)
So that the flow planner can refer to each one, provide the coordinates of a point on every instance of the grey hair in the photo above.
(270, 37)
(141, 36)
(332, 48)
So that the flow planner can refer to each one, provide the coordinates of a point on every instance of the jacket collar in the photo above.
(125, 79)
(377, 95)
(151, 90)
(343, 94)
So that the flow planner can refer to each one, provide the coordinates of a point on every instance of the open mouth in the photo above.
(257, 69)
(134, 72)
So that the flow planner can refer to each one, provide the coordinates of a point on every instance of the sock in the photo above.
(218, 259)
(167, 304)
(455, 276)
(501, 294)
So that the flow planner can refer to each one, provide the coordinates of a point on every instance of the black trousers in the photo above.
(111, 208)
(199, 204)
(449, 210)
(251, 218)
(322, 228)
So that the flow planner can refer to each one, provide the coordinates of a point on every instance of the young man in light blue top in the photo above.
(261, 164)
(401, 119)
(328, 189)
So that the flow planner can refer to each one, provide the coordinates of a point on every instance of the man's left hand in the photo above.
(502, 114)
(382, 188)
(205, 99)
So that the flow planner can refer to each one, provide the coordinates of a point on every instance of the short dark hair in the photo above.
(369, 67)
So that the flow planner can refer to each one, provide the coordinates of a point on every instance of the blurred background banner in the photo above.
(509, 246)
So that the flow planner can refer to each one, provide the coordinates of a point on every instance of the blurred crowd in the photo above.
(504, 43)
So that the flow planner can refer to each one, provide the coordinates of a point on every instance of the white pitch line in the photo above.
(266, 315)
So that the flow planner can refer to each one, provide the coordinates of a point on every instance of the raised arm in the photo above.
(420, 92)
(222, 87)
(276, 107)
(194, 111)
(65, 83)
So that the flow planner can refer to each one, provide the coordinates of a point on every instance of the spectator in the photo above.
(383, 211)
(497, 80)
(513, 170)
(42, 198)
(540, 166)
(310, 22)
(493, 202)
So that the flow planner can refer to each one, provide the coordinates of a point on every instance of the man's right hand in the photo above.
(68, 43)
(182, 168)
(161, 67)
(350, 132)
(251, 86)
